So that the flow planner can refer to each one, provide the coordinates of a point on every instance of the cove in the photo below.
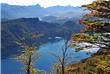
(46, 62)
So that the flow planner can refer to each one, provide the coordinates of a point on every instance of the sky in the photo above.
(47, 3)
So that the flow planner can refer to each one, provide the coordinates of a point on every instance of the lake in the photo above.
(11, 66)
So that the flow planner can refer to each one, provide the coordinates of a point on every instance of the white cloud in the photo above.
(46, 3)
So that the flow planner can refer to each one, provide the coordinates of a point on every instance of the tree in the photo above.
(62, 59)
(29, 53)
(96, 32)
(96, 25)
(28, 58)
(59, 68)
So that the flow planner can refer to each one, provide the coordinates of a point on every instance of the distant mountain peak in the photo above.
(38, 5)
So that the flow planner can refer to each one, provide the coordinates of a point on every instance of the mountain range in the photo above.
(14, 11)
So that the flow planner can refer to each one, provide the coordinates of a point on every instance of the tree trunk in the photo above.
(29, 65)
(63, 72)
(63, 69)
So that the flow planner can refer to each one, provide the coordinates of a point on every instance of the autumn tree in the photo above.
(96, 25)
(63, 58)
(59, 67)
(96, 31)
(29, 53)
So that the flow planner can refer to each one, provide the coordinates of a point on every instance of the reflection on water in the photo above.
(10, 66)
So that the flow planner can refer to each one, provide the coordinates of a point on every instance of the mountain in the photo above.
(14, 29)
(72, 26)
(55, 19)
(14, 11)
(49, 18)
(60, 20)
(66, 11)
(61, 8)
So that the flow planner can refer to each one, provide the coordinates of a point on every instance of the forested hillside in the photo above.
(13, 30)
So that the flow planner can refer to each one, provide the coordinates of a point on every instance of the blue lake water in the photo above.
(11, 66)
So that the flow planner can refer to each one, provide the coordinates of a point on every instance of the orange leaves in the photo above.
(88, 26)
(82, 21)
(91, 25)
(82, 31)
(99, 9)
(93, 13)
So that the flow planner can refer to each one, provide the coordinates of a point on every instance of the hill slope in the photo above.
(13, 30)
